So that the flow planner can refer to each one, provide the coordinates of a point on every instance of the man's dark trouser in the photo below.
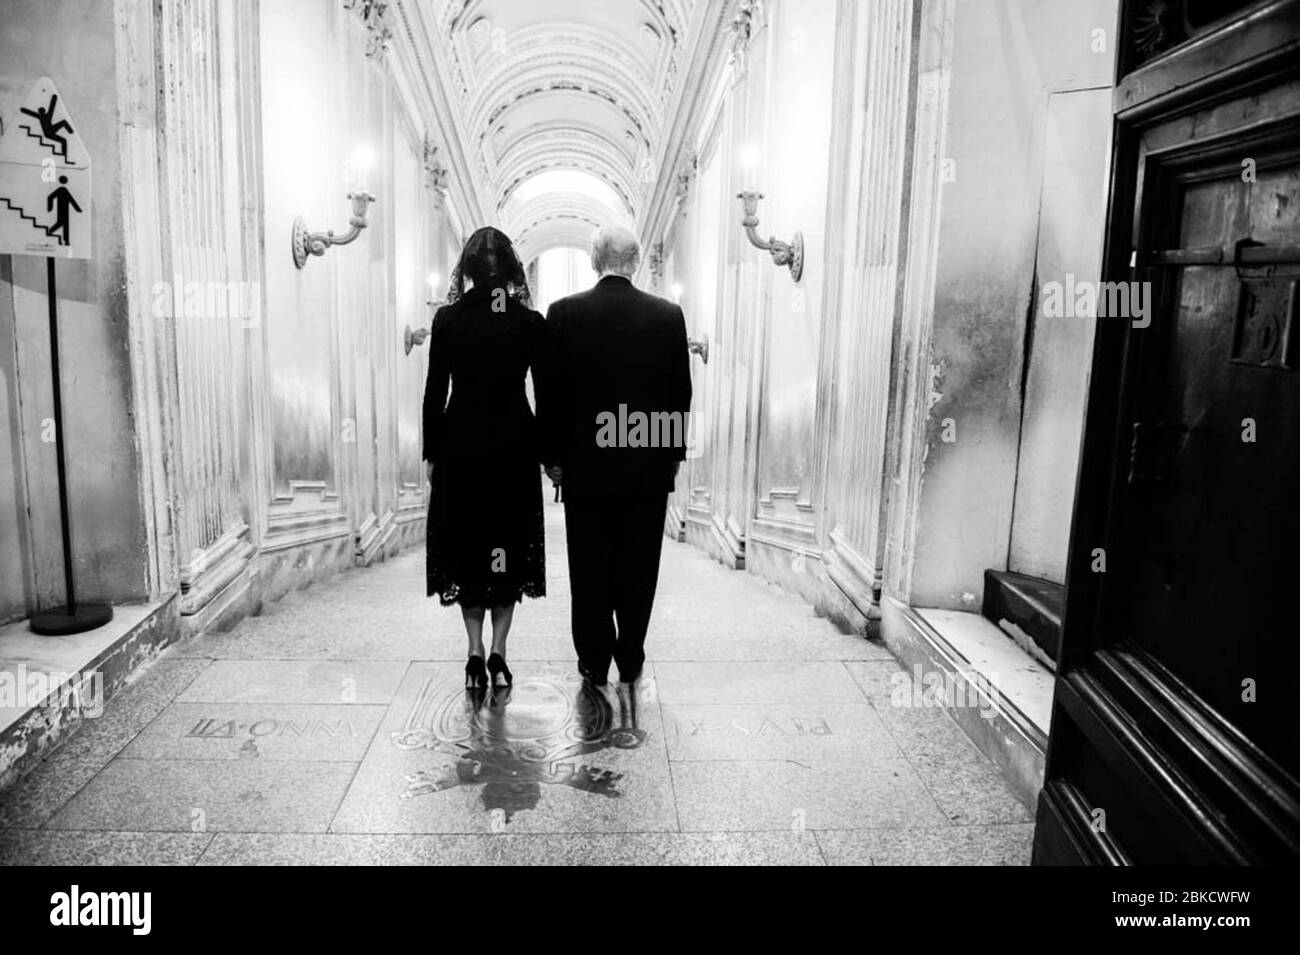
(614, 545)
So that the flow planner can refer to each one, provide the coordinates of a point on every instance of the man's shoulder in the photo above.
(595, 299)
(659, 303)
(662, 313)
(577, 298)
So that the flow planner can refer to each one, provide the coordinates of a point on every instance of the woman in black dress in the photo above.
(482, 449)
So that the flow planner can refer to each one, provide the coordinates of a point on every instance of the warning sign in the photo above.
(44, 179)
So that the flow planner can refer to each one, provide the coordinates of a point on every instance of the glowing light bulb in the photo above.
(749, 160)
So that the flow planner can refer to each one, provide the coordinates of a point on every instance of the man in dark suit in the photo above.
(615, 414)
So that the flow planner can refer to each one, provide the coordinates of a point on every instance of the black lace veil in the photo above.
(489, 260)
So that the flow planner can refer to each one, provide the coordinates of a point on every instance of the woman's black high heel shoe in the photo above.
(496, 665)
(476, 677)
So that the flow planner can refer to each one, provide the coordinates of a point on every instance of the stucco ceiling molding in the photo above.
(564, 69)
(568, 161)
(558, 205)
(524, 93)
(546, 223)
(419, 70)
(572, 231)
(572, 40)
(705, 59)
(558, 136)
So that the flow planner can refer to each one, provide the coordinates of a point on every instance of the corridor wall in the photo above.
(73, 43)
(900, 419)
(811, 106)
(239, 426)
(1003, 394)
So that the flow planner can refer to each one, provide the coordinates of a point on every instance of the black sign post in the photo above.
(73, 617)
(45, 209)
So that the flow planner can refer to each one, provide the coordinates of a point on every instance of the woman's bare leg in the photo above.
(501, 619)
(473, 617)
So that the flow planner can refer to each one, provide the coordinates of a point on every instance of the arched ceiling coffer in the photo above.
(564, 106)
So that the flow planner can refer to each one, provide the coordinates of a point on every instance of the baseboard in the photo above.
(48, 685)
(674, 524)
(1012, 691)
(705, 531)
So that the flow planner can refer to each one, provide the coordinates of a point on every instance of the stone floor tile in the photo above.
(56, 779)
(292, 681)
(950, 845)
(208, 796)
(793, 795)
(85, 848)
(284, 731)
(334, 728)
(635, 848)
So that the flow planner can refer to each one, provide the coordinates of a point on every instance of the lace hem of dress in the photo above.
(452, 593)
(506, 589)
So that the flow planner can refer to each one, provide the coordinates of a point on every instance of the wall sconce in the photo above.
(315, 243)
(700, 347)
(436, 301)
(412, 337)
(783, 253)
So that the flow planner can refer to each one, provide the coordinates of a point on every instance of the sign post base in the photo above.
(62, 621)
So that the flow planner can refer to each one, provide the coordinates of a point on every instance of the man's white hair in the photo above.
(614, 248)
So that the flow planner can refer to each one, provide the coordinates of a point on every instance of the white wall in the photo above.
(1010, 59)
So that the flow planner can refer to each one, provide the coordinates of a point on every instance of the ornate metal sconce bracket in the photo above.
(306, 243)
(783, 253)
(700, 347)
(412, 337)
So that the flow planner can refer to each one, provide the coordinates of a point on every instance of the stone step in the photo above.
(1027, 609)
(1003, 695)
(48, 685)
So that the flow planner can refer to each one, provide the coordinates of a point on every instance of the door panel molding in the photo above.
(1193, 779)
(1174, 778)
(1240, 51)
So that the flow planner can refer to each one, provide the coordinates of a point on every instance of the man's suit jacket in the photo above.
(615, 409)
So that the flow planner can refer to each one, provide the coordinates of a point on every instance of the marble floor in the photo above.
(333, 728)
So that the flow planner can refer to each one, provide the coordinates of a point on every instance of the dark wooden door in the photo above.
(1175, 735)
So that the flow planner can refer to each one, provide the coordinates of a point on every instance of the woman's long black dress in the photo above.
(485, 533)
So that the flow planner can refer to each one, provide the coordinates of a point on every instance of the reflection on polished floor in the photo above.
(334, 728)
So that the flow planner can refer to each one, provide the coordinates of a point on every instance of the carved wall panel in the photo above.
(210, 295)
(869, 196)
(302, 333)
(311, 162)
(365, 299)
(742, 316)
(415, 258)
(789, 127)
(702, 304)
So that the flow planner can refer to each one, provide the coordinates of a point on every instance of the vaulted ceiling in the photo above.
(562, 107)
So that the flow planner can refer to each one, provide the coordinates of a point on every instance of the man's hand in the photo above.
(428, 471)
(555, 473)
